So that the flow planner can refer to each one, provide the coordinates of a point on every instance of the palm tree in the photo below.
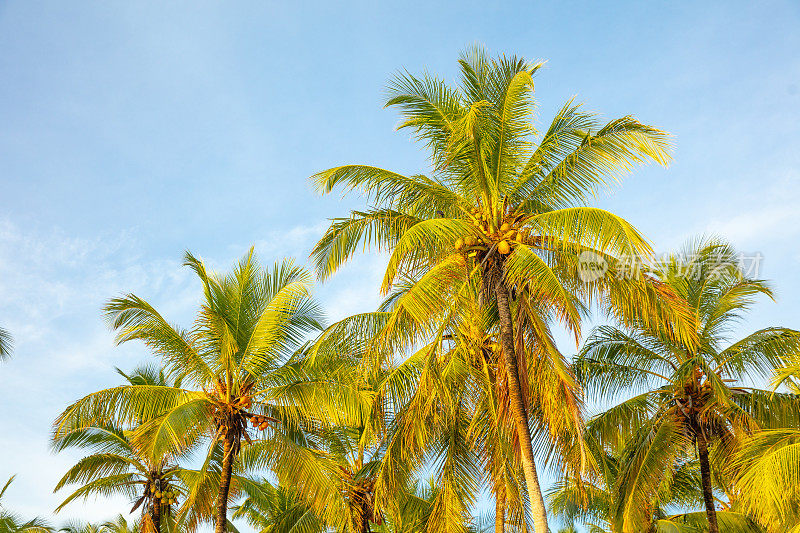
(353, 474)
(332, 466)
(117, 466)
(499, 209)
(239, 361)
(767, 470)
(12, 523)
(591, 502)
(687, 398)
(6, 343)
(452, 414)
(332, 477)
(457, 416)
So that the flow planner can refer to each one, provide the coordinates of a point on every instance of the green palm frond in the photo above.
(126, 404)
(378, 229)
(106, 486)
(6, 344)
(272, 509)
(696, 522)
(760, 352)
(135, 319)
(600, 159)
(119, 525)
(768, 465)
(424, 244)
(654, 446)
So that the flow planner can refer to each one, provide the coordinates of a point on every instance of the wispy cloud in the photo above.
(53, 286)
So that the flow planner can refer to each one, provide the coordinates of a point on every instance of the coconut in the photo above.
(505, 227)
(263, 426)
(470, 241)
(459, 244)
(504, 248)
(254, 421)
(519, 236)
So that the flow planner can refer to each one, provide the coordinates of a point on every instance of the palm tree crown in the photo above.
(236, 367)
(117, 466)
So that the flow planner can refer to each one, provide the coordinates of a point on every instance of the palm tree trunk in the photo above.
(500, 511)
(705, 475)
(157, 515)
(224, 487)
(518, 411)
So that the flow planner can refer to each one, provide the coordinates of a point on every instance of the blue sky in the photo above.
(130, 132)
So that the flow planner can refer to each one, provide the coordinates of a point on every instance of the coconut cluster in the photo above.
(260, 422)
(165, 497)
(504, 236)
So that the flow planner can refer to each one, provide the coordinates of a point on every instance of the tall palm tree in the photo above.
(456, 416)
(353, 473)
(687, 398)
(116, 465)
(12, 523)
(236, 365)
(502, 209)
(6, 343)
